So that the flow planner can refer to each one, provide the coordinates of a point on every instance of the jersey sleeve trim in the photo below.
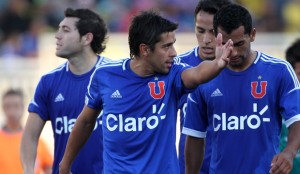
(193, 133)
(292, 120)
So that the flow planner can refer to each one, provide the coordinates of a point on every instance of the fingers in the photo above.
(219, 40)
(280, 165)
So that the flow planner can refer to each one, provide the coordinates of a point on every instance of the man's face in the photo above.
(68, 42)
(205, 35)
(240, 56)
(13, 108)
(161, 58)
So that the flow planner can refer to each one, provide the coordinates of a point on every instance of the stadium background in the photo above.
(277, 29)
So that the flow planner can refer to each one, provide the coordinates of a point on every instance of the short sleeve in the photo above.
(93, 97)
(39, 102)
(196, 121)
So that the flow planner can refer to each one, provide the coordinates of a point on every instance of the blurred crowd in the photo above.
(21, 21)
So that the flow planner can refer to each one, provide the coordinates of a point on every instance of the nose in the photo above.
(207, 38)
(234, 51)
(57, 35)
(173, 52)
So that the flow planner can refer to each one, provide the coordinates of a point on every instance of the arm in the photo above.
(32, 132)
(207, 70)
(80, 133)
(194, 154)
(283, 162)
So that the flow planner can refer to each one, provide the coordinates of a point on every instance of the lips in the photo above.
(234, 59)
(169, 64)
(207, 50)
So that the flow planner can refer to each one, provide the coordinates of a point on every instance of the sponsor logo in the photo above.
(59, 98)
(64, 125)
(118, 122)
(253, 121)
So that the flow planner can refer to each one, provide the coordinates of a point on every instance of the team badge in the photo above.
(259, 93)
(157, 94)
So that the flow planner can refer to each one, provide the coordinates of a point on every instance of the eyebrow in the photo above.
(169, 43)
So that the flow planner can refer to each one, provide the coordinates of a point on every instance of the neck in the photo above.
(248, 62)
(140, 68)
(10, 128)
(82, 64)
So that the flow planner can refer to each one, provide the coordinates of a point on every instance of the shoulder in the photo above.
(58, 69)
(106, 63)
(193, 52)
(273, 61)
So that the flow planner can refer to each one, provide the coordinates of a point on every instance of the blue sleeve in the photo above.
(290, 96)
(178, 81)
(93, 97)
(39, 102)
(196, 121)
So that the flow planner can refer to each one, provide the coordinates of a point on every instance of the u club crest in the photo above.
(157, 89)
(259, 93)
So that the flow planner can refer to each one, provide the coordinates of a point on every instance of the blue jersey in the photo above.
(191, 58)
(59, 97)
(245, 111)
(139, 117)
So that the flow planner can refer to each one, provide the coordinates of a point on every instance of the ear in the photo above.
(144, 50)
(252, 34)
(87, 38)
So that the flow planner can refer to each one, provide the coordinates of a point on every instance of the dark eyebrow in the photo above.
(169, 44)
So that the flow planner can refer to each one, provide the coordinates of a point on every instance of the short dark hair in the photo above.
(232, 17)
(210, 6)
(90, 22)
(10, 92)
(147, 28)
(292, 54)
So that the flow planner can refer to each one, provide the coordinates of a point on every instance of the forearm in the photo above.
(202, 73)
(28, 153)
(79, 135)
(293, 143)
(29, 142)
(194, 154)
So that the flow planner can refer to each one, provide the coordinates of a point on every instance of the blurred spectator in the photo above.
(16, 17)
(179, 11)
(291, 15)
(20, 30)
(266, 14)
(10, 137)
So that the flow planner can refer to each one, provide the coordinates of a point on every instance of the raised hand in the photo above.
(223, 51)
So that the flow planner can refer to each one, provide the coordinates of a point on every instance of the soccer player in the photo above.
(292, 55)
(59, 96)
(11, 134)
(204, 14)
(243, 105)
(139, 96)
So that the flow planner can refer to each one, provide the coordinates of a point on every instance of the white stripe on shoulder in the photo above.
(267, 58)
(59, 68)
(104, 63)
(193, 133)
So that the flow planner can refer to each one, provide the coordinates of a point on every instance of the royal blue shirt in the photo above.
(139, 117)
(245, 110)
(59, 97)
(191, 58)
